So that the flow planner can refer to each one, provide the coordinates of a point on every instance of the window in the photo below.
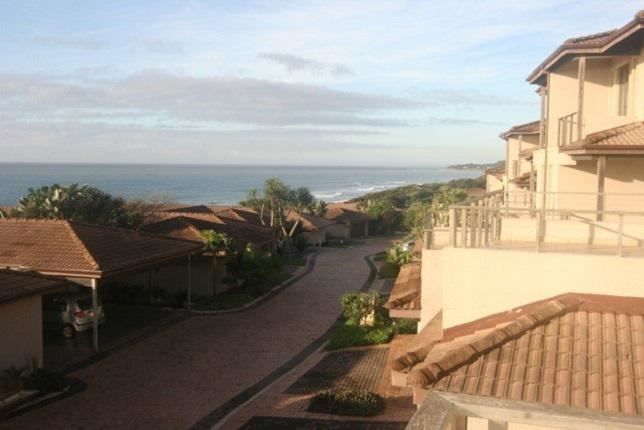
(622, 90)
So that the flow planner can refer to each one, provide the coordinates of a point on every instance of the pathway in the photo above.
(178, 377)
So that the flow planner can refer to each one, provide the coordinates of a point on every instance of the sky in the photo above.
(383, 83)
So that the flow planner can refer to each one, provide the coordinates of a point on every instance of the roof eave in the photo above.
(538, 75)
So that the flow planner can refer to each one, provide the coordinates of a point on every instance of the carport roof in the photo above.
(66, 248)
(15, 285)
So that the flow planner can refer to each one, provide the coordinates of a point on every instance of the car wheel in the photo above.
(68, 331)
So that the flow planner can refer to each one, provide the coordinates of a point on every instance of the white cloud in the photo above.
(293, 63)
(175, 98)
(82, 43)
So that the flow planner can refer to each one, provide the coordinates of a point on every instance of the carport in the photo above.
(88, 254)
(21, 316)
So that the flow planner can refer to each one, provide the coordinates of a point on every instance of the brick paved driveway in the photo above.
(173, 379)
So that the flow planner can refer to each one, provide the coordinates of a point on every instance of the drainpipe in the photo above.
(189, 292)
(94, 285)
(545, 100)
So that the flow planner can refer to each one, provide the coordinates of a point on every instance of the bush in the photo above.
(348, 335)
(358, 307)
(388, 270)
(300, 242)
(405, 326)
(349, 403)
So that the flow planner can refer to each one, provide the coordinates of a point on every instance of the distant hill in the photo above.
(404, 196)
(475, 166)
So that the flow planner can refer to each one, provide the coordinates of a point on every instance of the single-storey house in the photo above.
(21, 322)
(188, 225)
(90, 254)
(351, 221)
(315, 229)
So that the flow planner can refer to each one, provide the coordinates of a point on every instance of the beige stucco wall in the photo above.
(473, 283)
(315, 238)
(474, 423)
(493, 183)
(339, 231)
(173, 276)
(21, 332)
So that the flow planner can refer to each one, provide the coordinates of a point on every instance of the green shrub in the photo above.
(388, 270)
(300, 242)
(349, 403)
(358, 307)
(348, 335)
(405, 326)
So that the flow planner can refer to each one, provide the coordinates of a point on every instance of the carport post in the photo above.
(189, 295)
(94, 285)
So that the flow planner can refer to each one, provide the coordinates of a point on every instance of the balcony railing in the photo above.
(526, 199)
(553, 230)
(567, 131)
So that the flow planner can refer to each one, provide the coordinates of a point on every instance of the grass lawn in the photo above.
(348, 335)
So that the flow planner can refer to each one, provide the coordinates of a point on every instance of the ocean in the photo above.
(214, 184)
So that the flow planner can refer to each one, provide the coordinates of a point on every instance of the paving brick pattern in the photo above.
(350, 370)
(173, 379)
(272, 423)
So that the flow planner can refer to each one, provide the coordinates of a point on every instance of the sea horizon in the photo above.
(215, 184)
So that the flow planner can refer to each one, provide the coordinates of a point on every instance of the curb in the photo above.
(220, 413)
(310, 265)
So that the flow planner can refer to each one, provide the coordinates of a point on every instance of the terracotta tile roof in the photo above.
(201, 209)
(623, 138)
(527, 128)
(582, 351)
(239, 214)
(523, 181)
(405, 294)
(310, 222)
(190, 225)
(15, 284)
(341, 213)
(597, 43)
(496, 171)
(68, 248)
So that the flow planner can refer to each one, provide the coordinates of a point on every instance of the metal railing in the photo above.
(567, 129)
(560, 230)
(579, 201)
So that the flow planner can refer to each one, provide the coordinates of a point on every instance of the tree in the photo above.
(417, 217)
(78, 203)
(302, 200)
(215, 242)
(442, 200)
(385, 212)
(320, 208)
(276, 200)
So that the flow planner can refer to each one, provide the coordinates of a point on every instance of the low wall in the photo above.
(21, 329)
(473, 283)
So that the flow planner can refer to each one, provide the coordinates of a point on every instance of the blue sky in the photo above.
(269, 82)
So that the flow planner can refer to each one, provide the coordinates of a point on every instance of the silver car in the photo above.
(72, 312)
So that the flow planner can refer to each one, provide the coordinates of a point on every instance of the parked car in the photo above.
(71, 312)
(408, 246)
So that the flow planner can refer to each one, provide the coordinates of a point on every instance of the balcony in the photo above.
(568, 223)
(567, 131)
